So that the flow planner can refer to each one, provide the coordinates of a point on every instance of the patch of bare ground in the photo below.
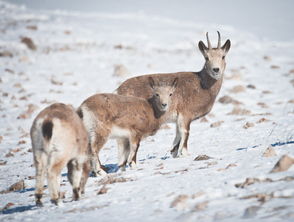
(216, 124)
(262, 120)
(262, 105)
(109, 179)
(87, 209)
(248, 125)
(228, 100)
(291, 101)
(269, 152)
(237, 89)
(239, 111)
(283, 164)
(29, 43)
(20, 185)
(28, 112)
(250, 181)
(275, 67)
(180, 202)
(263, 197)
(227, 167)
(202, 157)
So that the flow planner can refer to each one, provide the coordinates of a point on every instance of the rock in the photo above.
(239, 111)
(2, 162)
(248, 125)
(29, 43)
(284, 163)
(216, 124)
(202, 157)
(7, 206)
(120, 70)
(180, 202)
(20, 185)
(292, 82)
(267, 58)
(269, 152)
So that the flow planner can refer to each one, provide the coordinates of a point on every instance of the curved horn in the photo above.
(208, 42)
(219, 40)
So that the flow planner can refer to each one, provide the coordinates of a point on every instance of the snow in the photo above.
(75, 58)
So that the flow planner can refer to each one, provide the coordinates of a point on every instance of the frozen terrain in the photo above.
(76, 54)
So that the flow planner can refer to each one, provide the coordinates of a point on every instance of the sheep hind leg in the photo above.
(176, 143)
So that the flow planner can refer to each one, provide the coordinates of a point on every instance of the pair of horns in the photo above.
(218, 42)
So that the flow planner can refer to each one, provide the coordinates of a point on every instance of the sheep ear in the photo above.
(175, 82)
(151, 82)
(203, 49)
(226, 47)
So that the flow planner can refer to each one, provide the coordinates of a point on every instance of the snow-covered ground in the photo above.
(76, 56)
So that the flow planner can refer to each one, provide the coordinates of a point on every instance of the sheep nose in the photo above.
(215, 69)
(164, 105)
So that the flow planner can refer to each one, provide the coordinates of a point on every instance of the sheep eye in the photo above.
(223, 57)
(170, 94)
(206, 58)
(157, 94)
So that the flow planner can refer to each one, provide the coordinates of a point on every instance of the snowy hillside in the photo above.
(48, 56)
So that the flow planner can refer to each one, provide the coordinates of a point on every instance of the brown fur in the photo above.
(59, 139)
(195, 93)
(127, 119)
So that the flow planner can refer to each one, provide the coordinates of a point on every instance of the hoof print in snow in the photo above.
(120, 70)
(248, 125)
(180, 202)
(269, 152)
(251, 211)
(202, 157)
(284, 163)
(29, 43)
(216, 124)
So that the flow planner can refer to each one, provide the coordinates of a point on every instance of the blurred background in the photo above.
(267, 19)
